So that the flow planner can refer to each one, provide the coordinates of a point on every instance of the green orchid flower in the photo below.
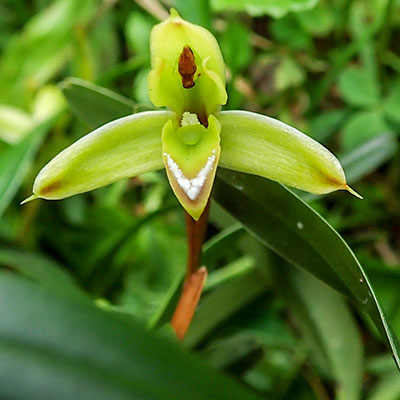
(192, 137)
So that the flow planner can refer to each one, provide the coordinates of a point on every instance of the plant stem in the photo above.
(195, 276)
(188, 302)
(196, 232)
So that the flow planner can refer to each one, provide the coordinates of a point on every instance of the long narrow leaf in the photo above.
(284, 223)
(94, 104)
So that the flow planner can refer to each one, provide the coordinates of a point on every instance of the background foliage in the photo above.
(87, 283)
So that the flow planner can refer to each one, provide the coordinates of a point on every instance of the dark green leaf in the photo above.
(221, 304)
(284, 223)
(53, 347)
(40, 269)
(236, 353)
(94, 104)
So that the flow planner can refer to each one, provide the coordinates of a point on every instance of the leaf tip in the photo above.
(30, 198)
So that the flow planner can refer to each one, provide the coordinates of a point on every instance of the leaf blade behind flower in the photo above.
(94, 104)
(288, 226)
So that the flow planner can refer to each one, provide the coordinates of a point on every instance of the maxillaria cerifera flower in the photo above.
(193, 137)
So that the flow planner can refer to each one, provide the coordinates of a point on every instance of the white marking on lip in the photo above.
(191, 187)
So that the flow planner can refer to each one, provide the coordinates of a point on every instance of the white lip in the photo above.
(191, 187)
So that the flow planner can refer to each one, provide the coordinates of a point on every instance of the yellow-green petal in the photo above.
(264, 146)
(123, 148)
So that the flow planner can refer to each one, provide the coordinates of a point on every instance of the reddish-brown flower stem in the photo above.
(196, 232)
(195, 276)
(188, 302)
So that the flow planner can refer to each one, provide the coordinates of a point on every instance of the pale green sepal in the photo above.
(191, 155)
(264, 146)
(168, 39)
(123, 148)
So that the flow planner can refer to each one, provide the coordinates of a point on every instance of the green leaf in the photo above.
(325, 124)
(284, 223)
(94, 104)
(287, 30)
(322, 13)
(261, 145)
(332, 336)
(15, 162)
(234, 296)
(275, 8)
(359, 87)
(367, 157)
(137, 31)
(363, 126)
(40, 269)
(235, 354)
(41, 49)
(123, 148)
(58, 347)
(392, 104)
(195, 11)
(388, 388)
(231, 271)
(288, 73)
(236, 47)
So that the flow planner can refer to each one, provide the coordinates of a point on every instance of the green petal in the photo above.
(167, 42)
(123, 148)
(191, 155)
(264, 146)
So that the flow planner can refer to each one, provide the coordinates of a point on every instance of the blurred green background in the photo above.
(329, 68)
